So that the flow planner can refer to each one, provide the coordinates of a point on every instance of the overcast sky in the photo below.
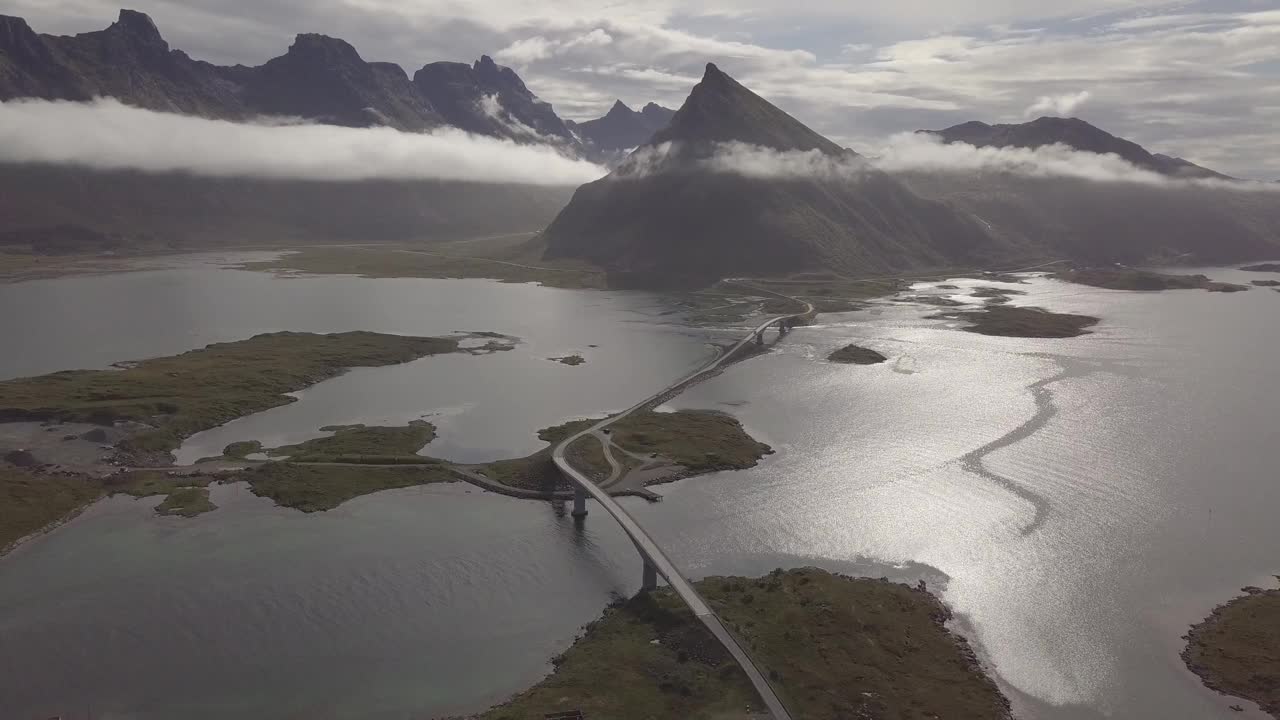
(1195, 79)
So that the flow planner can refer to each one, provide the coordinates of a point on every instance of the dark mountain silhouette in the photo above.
(684, 223)
(1104, 222)
(489, 99)
(320, 78)
(1074, 133)
(622, 129)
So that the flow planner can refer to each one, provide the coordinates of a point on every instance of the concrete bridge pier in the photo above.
(760, 338)
(579, 502)
(649, 581)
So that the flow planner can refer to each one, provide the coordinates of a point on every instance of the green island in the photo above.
(1263, 267)
(1236, 650)
(855, 355)
(1023, 322)
(650, 448)
(316, 488)
(1266, 283)
(187, 502)
(172, 398)
(571, 360)
(1143, 280)
(833, 647)
(348, 441)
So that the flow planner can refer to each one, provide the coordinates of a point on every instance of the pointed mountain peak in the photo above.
(140, 28)
(485, 62)
(720, 110)
(619, 109)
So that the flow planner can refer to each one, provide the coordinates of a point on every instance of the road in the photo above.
(649, 548)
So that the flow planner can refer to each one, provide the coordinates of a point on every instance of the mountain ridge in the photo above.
(1074, 133)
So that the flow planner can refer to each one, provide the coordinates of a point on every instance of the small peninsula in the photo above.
(833, 647)
(1263, 267)
(1236, 650)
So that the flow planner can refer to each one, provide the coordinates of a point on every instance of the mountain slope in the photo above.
(622, 128)
(686, 223)
(1074, 133)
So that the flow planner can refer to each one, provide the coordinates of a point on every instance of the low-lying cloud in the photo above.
(918, 152)
(1060, 105)
(912, 152)
(108, 135)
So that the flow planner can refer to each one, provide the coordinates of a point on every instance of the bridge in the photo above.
(656, 562)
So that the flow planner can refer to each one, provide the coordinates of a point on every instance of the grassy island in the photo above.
(187, 502)
(1263, 267)
(1143, 280)
(1236, 650)
(855, 355)
(177, 396)
(350, 441)
(570, 360)
(316, 488)
(832, 646)
(1024, 322)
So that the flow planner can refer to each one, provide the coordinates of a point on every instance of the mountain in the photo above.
(1074, 133)
(681, 220)
(320, 78)
(489, 99)
(622, 129)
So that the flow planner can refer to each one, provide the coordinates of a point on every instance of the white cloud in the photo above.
(915, 152)
(1061, 105)
(106, 134)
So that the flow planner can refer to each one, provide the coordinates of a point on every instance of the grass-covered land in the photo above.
(30, 503)
(1263, 267)
(571, 360)
(1266, 283)
(361, 440)
(315, 488)
(1236, 650)
(855, 355)
(517, 264)
(833, 647)
(1025, 322)
(702, 441)
(187, 502)
(1131, 279)
(183, 394)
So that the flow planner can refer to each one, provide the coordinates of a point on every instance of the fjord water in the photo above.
(1078, 502)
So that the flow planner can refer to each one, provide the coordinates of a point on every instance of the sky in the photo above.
(1199, 79)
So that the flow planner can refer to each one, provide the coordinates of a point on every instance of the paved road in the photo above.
(650, 549)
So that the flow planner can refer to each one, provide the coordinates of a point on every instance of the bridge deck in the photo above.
(651, 551)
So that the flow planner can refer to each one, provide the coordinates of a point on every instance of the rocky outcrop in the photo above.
(489, 99)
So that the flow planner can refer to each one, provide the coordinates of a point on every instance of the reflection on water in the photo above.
(1081, 501)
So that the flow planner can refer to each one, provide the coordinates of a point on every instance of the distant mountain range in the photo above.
(622, 129)
(319, 78)
(1074, 133)
(675, 212)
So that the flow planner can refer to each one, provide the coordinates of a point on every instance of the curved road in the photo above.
(649, 549)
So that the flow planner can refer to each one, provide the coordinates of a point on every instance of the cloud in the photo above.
(1057, 104)
(911, 152)
(916, 152)
(106, 134)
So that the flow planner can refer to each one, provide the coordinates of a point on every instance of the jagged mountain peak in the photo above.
(720, 110)
(323, 48)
